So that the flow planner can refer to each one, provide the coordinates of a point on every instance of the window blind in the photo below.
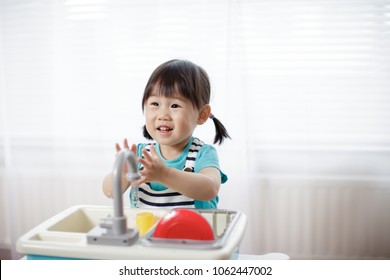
(305, 73)
(317, 72)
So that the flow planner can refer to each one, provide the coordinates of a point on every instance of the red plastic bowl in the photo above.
(184, 224)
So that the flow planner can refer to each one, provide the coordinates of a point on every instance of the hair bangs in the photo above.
(172, 79)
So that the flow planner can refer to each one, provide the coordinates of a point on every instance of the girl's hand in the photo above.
(153, 167)
(126, 146)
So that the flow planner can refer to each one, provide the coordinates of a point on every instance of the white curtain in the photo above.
(302, 86)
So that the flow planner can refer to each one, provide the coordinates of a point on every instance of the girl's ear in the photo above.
(204, 114)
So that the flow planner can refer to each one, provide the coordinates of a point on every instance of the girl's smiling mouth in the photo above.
(164, 129)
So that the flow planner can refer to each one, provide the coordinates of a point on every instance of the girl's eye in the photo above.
(175, 106)
(154, 103)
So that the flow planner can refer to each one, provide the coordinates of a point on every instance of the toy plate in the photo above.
(184, 224)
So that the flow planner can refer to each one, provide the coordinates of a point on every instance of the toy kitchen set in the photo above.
(103, 232)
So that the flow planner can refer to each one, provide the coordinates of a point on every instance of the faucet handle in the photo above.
(106, 223)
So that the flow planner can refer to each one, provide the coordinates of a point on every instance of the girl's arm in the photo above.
(200, 186)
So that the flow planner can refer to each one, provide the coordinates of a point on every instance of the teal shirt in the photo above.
(206, 157)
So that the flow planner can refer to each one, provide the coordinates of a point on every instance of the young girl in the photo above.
(178, 169)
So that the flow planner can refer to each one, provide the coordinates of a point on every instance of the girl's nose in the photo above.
(164, 115)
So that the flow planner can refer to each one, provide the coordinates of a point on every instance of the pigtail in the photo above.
(220, 131)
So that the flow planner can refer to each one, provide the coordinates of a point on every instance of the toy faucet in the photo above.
(113, 230)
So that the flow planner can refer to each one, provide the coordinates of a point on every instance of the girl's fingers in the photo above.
(145, 165)
(146, 155)
(153, 151)
(117, 147)
(134, 149)
(126, 144)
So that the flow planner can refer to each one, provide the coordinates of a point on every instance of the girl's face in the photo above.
(170, 121)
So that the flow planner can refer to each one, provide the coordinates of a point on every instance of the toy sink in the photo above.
(65, 236)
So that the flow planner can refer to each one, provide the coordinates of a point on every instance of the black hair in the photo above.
(193, 84)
